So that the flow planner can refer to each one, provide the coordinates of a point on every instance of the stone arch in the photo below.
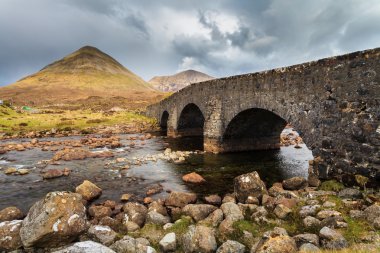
(253, 129)
(164, 120)
(191, 121)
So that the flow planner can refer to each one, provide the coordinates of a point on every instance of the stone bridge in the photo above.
(334, 104)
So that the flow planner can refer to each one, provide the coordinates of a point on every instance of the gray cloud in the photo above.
(161, 37)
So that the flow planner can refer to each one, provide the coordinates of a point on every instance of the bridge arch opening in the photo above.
(191, 121)
(164, 121)
(253, 129)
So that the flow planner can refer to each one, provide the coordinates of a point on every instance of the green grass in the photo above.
(12, 121)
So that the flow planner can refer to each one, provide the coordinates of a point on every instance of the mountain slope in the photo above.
(87, 72)
(179, 80)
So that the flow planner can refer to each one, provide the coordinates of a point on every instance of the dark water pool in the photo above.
(218, 170)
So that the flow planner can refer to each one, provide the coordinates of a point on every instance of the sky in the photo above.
(150, 37)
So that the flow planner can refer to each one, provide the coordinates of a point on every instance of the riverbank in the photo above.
(290, 216)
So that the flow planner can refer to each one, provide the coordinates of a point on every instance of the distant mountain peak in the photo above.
(178, 81)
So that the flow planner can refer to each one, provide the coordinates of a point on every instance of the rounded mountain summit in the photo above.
(85, 74)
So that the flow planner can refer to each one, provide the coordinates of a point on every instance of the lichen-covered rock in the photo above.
(247, 185)
(350, 193)
(306, 238)
(215, 218)
(132, 245)
(180, 199)
(309, 210)
(232, 211)
(11, 213)
(294, 183)
(10, 235)
(332, 239)
(231, 247)
(56, 220)
(311, 222)
(309, 248)
(372, 212)
(135, 212)
(103, 234)
(199, 239)
(88, 190)
(198, 211)
(168, 242)
(327, 213)
(282, 211)
(154, 217)
(85, 247)
(276, 241)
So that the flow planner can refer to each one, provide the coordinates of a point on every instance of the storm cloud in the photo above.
(152, 38)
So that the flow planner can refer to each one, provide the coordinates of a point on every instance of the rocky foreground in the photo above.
(288, 217)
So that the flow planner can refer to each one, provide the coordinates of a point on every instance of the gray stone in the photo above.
(231, 247)
(103, 234)
(157, 207)
(156, 218)
(306, 238)
(131, 245)
(356, 214)
(232, 211)
(294, 183)
(372, 212)
(54, 221)
(332, 239)
(350, 193)
(135, 212)
(327, 213)
(168, 242)
(311, 222)
(247, 185)
(309, 210)
(333, 222)
(376, 223)
(308, 247)
(215, 218)
(282, 211)
(198, 211)
(85, 247)
(199, 239)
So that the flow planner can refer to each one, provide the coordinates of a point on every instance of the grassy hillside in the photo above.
(87, 72)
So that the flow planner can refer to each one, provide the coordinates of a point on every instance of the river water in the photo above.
(218, 170)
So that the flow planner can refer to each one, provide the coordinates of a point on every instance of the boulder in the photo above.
(276, 241)
(232, 211)
(85, 247)
(154, 217)
(213, 200)
(231, 247)
(282, 211)
(199, 239)
(54, 221)
(309, 248)
(135, 212)
(132, 245)
(332, 239)
(215, 218)
(327, 213)
(294, 183)
(168, 243)
(11, 213)
(99, 212)
(103, 234)
(350, 193)
(10, 235)
(311, 222)
(198, 211)
(306, 238)
(193, 178)
(309, 210)
(88, 190)
(180, 199)
(372, 212)
(247, 185)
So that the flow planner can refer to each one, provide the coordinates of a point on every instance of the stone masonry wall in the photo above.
(334, 104)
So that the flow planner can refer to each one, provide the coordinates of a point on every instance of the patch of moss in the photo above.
(181, 225)
(331, 185)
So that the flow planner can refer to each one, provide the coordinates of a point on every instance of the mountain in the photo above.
(179, 80)
(87, 73)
